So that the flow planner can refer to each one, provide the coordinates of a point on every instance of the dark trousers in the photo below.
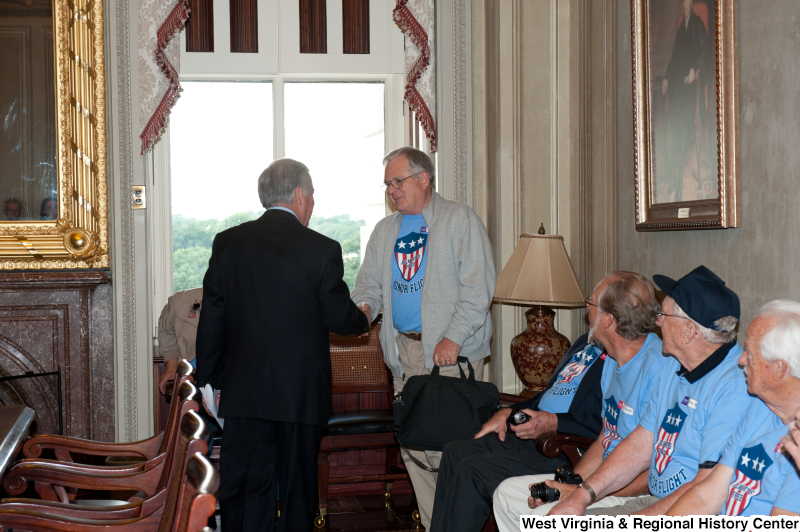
(258, 456)
(471, 470)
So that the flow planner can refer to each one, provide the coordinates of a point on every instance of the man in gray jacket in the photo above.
(429, 267)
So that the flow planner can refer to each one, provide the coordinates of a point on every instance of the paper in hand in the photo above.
(210, 400)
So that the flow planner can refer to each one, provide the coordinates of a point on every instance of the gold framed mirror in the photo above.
(53, 192)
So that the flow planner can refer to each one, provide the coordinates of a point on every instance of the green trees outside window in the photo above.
(192, 239)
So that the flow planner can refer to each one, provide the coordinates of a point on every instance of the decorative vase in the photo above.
(537, 350)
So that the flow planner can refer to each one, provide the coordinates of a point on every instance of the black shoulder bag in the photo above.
(433, 410)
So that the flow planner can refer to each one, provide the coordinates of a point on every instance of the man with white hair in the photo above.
(701, 397)
(622, 311)
(272, 294)
(755, 476)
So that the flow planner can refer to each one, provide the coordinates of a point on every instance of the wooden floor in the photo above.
(366, 513)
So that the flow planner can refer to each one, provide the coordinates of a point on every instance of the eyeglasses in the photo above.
(397, 183)
(589, 302)
(665, 315)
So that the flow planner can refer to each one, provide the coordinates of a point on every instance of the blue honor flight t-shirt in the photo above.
(692, 420)
(408, 273)
(627, 391)
(763, 475)
(558, 398)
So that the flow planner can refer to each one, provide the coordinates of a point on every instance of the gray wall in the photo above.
(759, 261)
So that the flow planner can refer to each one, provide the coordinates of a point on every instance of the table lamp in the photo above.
(539, 273)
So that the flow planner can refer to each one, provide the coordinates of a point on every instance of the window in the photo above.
(223, 136)
(221, 139)
(337, 112)
(337, 130)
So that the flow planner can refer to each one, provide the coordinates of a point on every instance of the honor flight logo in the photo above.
(409, 251)
(750, 469)
(610, 422)
(580, 361)
(668, 434)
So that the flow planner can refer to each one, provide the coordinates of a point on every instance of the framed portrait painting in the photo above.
(685, 110)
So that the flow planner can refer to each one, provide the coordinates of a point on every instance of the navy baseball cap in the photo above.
(702, 295)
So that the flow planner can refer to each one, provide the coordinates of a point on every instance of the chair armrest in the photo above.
(147, 449)
(124, 511)
(41, 521)
(18, 477)
(91, 468)
(510, 399)
(552, 444)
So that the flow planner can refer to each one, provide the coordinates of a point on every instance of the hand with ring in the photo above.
(446, 351)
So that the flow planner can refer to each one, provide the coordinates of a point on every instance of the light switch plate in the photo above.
(139, 197)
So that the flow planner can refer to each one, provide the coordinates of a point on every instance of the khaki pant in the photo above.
(412, 359)
(511, 501)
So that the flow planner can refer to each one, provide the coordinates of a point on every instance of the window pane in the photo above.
(221, 141)
(336, 129)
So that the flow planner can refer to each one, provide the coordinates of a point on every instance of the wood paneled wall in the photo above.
(200, 26)
(244, 26)
(313, 27)
(355, 21)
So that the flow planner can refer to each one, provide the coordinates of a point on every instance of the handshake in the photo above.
(365, 308)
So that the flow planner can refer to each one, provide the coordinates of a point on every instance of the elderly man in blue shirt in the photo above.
(701, 397)
(630, 375)
(755, 476)
(622, 312)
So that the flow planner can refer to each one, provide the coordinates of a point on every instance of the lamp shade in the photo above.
(539, 273)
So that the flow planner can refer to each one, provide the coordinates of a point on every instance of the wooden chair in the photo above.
(362, 415)
(149, 449)
(194, 434)
(552, 444)
(58, 481)
(190, 501)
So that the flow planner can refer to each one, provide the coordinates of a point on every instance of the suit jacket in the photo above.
(272, 293)
(584, 417)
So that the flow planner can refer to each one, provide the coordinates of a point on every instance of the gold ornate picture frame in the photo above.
(78, 238)
(685, 114)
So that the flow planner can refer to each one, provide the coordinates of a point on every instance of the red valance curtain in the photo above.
(160, 22)
(416, 19)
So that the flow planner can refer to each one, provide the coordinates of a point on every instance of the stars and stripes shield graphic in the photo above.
(409, 252)
(610, 422)
(668, 433)
(753, 463)
(580, 361)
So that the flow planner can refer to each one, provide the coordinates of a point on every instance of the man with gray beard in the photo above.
(471, 470)
(700, 398)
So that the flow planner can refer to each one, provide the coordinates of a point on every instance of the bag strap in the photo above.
(471, 388)
(420, 464)
(434, 381)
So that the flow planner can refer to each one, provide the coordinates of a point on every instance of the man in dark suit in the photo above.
(272, 293)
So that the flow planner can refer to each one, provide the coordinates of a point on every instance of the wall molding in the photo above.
(123, 257)
(453, 47)
(460, 172)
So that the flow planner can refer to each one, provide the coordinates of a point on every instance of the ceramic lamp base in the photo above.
(537, 350)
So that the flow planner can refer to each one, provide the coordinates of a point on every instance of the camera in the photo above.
(542, 491)
(517, 417)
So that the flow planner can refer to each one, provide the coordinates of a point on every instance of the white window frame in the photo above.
(160, 197)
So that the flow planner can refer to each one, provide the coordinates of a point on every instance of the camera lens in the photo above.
(518, 417)
(544, 492)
